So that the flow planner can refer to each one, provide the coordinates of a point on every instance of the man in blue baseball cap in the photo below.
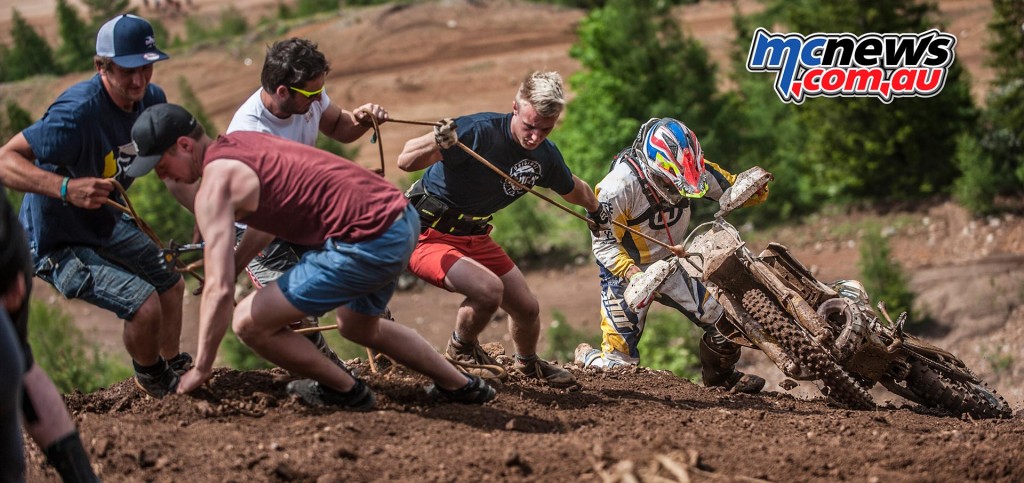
(67, 163)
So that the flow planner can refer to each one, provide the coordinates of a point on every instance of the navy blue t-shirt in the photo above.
(472, 188)
(82, 134)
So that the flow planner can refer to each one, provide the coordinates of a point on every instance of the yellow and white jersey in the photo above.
(628, 200)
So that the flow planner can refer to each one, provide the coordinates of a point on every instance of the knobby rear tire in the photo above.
(960, 397)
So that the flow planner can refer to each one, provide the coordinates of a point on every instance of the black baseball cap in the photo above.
(129, 41)
(156, 130)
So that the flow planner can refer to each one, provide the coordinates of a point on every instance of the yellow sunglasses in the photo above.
(309, 94)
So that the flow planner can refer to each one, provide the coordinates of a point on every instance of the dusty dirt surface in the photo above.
(428, 61)
(638, 423)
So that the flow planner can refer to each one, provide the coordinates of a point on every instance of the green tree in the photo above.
(77, 40)
(563, 338)
(861, 148)
(160, 210)
(29, 53)
(637, 64)
(883, 278)
(671, 342)
(100, 11)
(71, 361)
(991, 158)
(191, 102)
(14, 120)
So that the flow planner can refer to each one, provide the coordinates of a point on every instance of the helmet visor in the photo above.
(688, 182)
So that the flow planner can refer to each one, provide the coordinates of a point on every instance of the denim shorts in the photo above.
(360, 275)
(118, 276)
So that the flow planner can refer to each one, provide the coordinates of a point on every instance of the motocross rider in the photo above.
(649, 188)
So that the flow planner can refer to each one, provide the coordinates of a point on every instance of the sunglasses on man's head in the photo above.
(309, 94)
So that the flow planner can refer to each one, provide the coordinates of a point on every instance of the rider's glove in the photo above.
(599, 220)
(445, 135)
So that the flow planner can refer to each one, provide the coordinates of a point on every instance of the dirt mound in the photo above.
(637, 422)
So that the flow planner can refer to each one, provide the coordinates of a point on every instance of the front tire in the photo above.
(802, 349)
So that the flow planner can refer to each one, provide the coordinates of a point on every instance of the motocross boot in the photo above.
(718, 368)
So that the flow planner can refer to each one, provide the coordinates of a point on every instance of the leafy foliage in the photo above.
(992, 157)
(71, 361)
(306, 8)
(531, 229)
(29, 53)
(862, 148)
(882, 277)
(670, 342)
(77, 39)
(563, 338)
(239, 356)
(191, 102)
(336, 147)
(103, 10)
(14, 120)
(155, 204)
(230, 23)
(637, 64)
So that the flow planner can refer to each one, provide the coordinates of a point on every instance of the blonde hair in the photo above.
(544, 91)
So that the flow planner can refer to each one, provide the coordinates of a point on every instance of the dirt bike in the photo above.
(815, 331)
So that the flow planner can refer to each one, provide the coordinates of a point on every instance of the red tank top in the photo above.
(308, 196)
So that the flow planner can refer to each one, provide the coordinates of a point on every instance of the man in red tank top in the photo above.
(304, 195)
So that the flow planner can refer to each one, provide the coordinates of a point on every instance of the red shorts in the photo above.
(436, 252)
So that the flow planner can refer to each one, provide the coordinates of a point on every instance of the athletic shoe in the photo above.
(157, 385)
(536, 368)
(180, 363)
(312, 393)
(476, 391)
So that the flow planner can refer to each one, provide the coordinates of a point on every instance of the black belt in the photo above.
(437, 214)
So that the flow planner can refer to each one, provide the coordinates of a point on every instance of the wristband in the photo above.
(64, 189)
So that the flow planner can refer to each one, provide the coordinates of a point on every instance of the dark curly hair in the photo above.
(292, 63)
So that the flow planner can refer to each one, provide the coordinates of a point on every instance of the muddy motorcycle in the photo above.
(815, 331)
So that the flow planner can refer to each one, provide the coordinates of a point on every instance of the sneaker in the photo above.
(180, 363)
(583, 353)
(157, 385)
(312, 393)
(463, 353)
(475, 392)
(537, 368)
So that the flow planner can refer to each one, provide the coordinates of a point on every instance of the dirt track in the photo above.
(637, 423)
(454, 57)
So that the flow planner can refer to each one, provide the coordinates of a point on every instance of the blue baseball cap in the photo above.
(129, 41)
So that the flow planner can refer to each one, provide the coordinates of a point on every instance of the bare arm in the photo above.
(18, 172)
(581, 195)
(348, 126)
(228, 188)
(419, 153)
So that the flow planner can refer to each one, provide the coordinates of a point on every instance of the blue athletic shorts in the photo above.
(119, 276)
(360, 275)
